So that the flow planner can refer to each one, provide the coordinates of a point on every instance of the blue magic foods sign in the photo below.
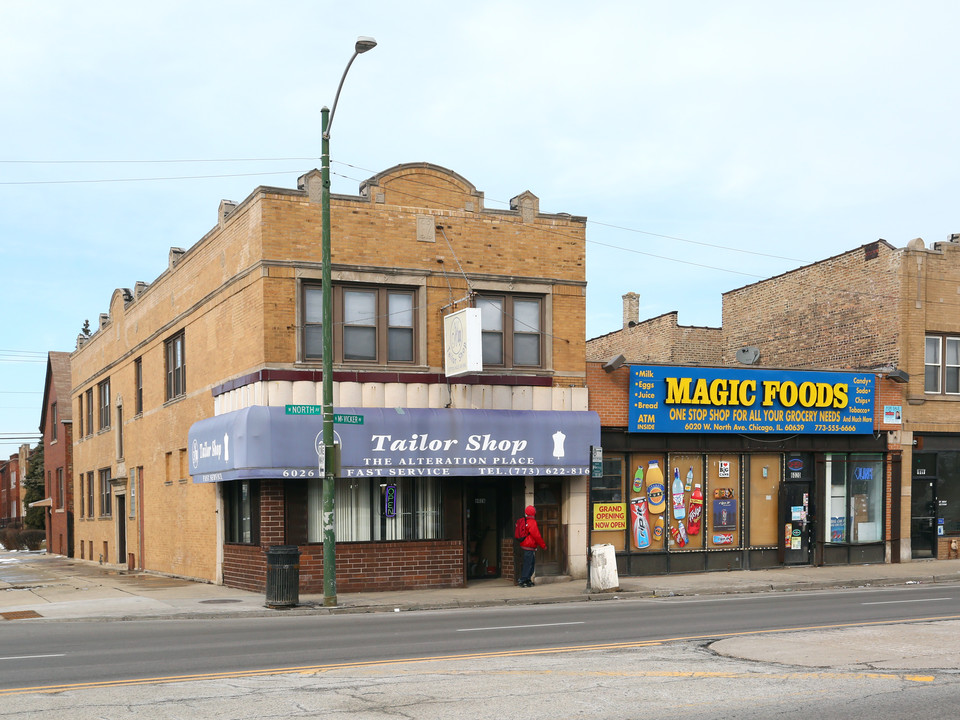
(719, 400)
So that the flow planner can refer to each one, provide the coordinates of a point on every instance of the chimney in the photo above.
(631, 310)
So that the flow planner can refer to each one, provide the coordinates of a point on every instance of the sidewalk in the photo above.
(36, 586)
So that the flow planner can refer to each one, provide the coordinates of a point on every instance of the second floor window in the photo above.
(941, 365)
(511, 330)
(53, 421)
(371, 324)
(103, 404)
(176, 366)
(138, 386)
(90, 411)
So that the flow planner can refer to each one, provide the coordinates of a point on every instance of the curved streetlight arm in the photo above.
(336, 98)
(362, 45)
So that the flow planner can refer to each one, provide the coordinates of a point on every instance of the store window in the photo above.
(855, 486)
(764, 495)
(607, 496)
(241, 511)
(723, 505)
(367, 509)
(948, 493)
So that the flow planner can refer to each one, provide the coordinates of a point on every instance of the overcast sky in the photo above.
(709, 144)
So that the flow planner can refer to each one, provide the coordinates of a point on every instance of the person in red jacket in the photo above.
(529, 544)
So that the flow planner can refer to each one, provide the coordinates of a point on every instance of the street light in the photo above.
(329, 456)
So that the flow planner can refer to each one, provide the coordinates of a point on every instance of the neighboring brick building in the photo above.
(56, 426)
(11, 502)
(656, 340)
(230, 334)
(877, 309)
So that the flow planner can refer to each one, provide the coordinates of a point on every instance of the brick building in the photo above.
(56, 427)
(188, 461)
(11, 501)
(892, 494)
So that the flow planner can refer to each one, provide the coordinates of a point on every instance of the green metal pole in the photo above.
(329, 531)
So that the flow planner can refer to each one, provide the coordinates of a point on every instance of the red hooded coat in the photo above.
(533, 540)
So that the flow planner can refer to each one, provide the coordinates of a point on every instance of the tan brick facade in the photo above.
(237, 297)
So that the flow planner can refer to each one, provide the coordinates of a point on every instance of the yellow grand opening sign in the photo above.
(609, 516)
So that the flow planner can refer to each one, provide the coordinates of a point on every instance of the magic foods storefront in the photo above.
(728, 469)
(424, 498)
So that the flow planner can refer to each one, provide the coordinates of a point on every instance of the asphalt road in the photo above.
(81, 654)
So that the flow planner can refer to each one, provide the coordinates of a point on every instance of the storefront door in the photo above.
(795, 520)
(923, 518)
(547, 499)
(482, 499)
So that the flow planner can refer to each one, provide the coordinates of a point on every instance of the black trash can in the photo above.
(283, 576)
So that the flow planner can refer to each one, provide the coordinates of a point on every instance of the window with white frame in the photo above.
(372, 324)
(103, 404)
(512, 330)
(941, 365)
(105, 495)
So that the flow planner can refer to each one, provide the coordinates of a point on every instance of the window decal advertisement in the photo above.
(729, 400)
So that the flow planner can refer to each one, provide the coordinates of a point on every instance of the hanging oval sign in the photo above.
(795, 464)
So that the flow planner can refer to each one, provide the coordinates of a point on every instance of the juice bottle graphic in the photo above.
(641, 522)
(695, 515)
(656, 493)
(638, 480)
(658, 529)
(689, 483)
(679, 512)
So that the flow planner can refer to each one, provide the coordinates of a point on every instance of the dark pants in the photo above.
(529, 560)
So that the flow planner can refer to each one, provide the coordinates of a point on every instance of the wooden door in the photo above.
(547, 498)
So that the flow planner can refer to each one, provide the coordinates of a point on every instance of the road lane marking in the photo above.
(519, 627)
(31, 657)
(310, 669)
(899, 602)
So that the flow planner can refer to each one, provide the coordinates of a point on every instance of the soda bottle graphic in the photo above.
(695, 515)
(641, 522)
(679, 512)
(680, 538)
(689, 483)
(656, 493)
(638, 480)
